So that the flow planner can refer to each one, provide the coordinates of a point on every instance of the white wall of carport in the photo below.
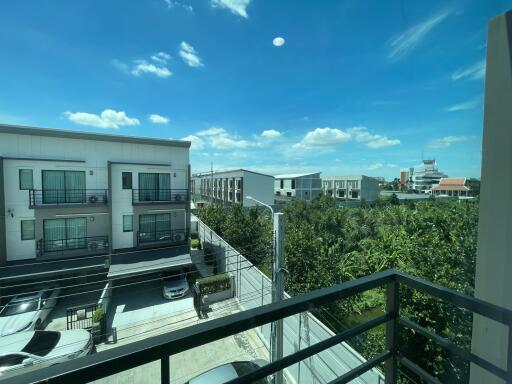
(95, 155)
(261, 187)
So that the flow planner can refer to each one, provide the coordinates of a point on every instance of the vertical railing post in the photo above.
(509, 354)
(165, 373)
(392, 331)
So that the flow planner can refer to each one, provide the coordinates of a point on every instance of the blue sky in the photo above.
(357, 87)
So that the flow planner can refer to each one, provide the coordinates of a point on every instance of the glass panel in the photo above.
(54, 234)
(127, 180)
(27, 230)
(146, 228)
(148, 186)
(26, 179)
(163, 226)
(75, 186)
(53, 187)
(164, 184)
(127, 223)
(76, 232)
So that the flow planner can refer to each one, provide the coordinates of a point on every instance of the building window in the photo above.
(127, 180)
(154, 186)
(155, 228)
(289, 194)
(281, 183)
(278, 193)
(355, 194)
(127, 223)
(26, 179)
(28, 231)
(63, 187)
(62, 234)
(293, 184)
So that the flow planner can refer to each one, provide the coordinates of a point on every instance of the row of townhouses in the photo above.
(101, 202)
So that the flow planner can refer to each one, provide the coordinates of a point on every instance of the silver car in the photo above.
(27, 351)
(28, 311)
(229, 371)
(174, 285)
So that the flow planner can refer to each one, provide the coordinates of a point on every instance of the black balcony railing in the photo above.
(53, 197)
(165, 196)
(176, 236)
(93, 245)
(112, 361)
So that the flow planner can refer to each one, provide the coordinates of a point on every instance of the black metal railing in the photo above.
(175, 236)
(52, 197)
(161, 347)
(145, 196)
(73, 246)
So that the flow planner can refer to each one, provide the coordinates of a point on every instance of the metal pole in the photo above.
(392, 331)
(278, 290)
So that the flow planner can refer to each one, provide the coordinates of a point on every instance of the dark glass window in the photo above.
(293, 184)
(127, 223)
(26, 179)
(27, 230)
(127, 180)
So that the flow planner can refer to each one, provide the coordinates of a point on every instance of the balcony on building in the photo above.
(49, 248)
(159, 196)
(152, 238)
(51, 198)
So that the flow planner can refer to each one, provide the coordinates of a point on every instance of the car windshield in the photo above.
(21, 305)
(244, 367)
(42, 343)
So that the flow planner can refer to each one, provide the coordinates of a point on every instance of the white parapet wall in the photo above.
(254, 289)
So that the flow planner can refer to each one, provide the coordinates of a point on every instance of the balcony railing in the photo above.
(93, 245)
(159, 196)
(176, 236)
(59, 197)
(160, 347)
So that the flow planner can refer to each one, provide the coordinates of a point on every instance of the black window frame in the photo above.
(19, 179)
(34, 231)
(123, 180)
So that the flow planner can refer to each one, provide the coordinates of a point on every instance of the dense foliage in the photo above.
(326, 244)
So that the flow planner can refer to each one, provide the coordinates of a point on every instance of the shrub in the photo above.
(194, 236)
(194, 243)
(214, 283)
(98, 315)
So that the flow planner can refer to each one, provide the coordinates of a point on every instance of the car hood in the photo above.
(175, 285)
(15, 323)
(71, 341)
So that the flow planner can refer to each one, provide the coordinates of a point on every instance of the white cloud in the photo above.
(447, 141)
(161, 57)
(361, 135)
(238, 7)
(212, 131)
(373, 167)
(107, 119)
(190, 55)
(142, 66)
(407, 41)
(271, 134)
(197, 142)
(278, 41)
(475, 71)
(323, 137)
(157, 119)
(471, 104)
(177, 4)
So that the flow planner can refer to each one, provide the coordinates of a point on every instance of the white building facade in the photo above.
(305, 186)
(69, 194)
(351, 187)
(425, 177)
(233, 187)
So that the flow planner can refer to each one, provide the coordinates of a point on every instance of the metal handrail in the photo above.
(174, 235)
(52, 197)
(160, 347)
(59, 245)
(158, 195)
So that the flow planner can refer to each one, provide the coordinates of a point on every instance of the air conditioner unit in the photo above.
(93, 199)
(179, 237)
(177, 197)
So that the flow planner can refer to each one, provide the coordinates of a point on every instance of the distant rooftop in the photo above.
(294, 175)
(202, 174)
(67, 134)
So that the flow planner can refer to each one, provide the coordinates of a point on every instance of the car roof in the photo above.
(15, 343)
(216, 375)
(27, 296)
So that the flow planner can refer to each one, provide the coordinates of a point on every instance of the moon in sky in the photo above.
(278, 41)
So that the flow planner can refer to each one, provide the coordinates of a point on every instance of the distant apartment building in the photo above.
(425, 177)
(351, 187)
(303, 186)
(456, 187)
(71, 195)
(233, 187)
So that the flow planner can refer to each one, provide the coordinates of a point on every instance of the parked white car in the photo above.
(174, 285)
(229, 371)
(28, 311)
(27, 351)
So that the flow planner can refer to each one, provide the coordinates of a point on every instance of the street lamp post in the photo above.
(276, 327)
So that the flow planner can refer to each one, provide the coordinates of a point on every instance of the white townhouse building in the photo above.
(303, 186)
(67, 196)
(233, 187)
(351, 187)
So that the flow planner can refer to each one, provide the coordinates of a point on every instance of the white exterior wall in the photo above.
(306, 187)
(261, 187)
(94, 155)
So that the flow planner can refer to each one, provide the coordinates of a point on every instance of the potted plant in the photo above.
(195, 244)
(99, 325)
